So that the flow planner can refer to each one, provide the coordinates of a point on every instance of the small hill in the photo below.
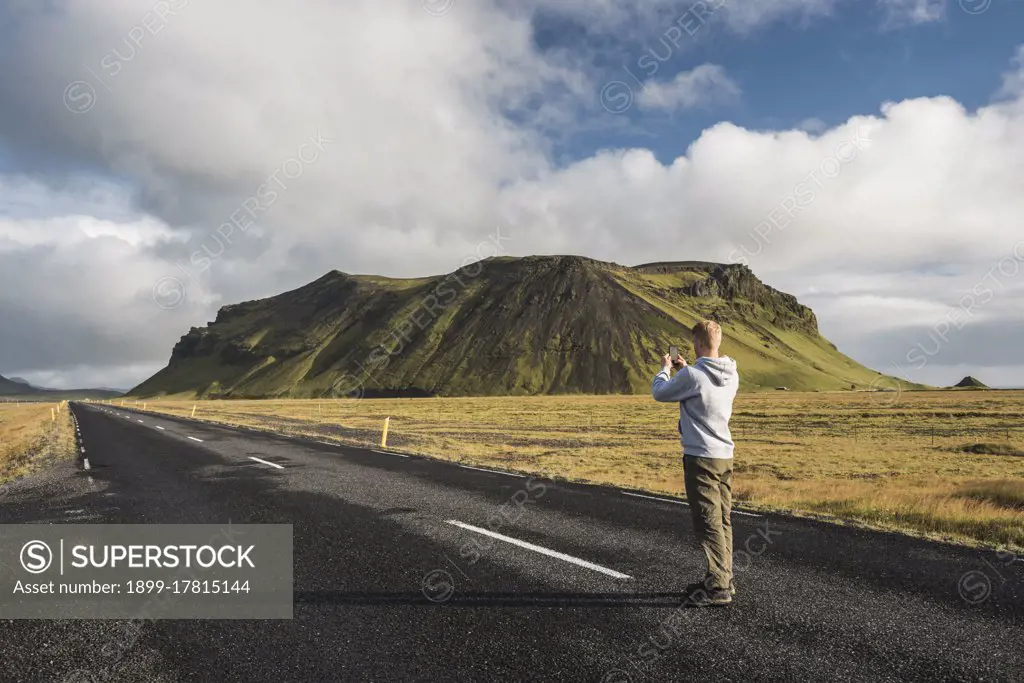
(970, 382)
(503, 326)
(16, 388)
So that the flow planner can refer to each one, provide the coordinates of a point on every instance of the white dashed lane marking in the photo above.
(541, 549)
(267, 462)
(195, 439)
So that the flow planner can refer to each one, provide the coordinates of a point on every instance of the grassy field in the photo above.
(27, 433)
(945, 464)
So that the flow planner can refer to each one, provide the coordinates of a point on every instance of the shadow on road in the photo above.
(491, 599)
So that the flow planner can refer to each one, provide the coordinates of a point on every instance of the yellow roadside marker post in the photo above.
(384, 434)
(193, 410)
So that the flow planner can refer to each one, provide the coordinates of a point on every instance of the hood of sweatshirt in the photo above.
(720, 370)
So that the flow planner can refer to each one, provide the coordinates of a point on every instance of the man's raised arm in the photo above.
(668, 389)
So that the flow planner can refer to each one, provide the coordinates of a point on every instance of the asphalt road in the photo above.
(395, 578)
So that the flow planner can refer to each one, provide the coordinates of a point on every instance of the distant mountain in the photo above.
(35, 387)
(12, 387)
(969, 381)
(18, 388)
(534, 325)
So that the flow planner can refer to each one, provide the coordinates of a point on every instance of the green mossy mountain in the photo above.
(970, 382)
(503, 326)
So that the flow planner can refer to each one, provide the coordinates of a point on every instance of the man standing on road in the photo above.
(705, 392)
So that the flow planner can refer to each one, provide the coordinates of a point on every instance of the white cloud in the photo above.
(78, 291)
(1013, 80)
(702, 86)
(912, 12)
(439, 128)
(812, 125)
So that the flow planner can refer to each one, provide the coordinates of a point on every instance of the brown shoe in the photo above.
(697, 595)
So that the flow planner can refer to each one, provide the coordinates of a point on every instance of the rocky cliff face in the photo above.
(737, 283)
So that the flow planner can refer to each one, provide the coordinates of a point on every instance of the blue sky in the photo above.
(827, 68)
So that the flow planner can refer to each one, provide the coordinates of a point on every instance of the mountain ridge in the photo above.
(15, 387)
(505, 325)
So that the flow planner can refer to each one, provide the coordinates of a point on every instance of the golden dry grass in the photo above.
(893, 461)
(27, 433)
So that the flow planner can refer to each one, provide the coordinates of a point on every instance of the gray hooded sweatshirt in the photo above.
(705, 391)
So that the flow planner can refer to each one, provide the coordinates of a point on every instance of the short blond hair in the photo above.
(708, 333)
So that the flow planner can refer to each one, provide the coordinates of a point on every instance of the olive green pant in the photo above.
(709, 493)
